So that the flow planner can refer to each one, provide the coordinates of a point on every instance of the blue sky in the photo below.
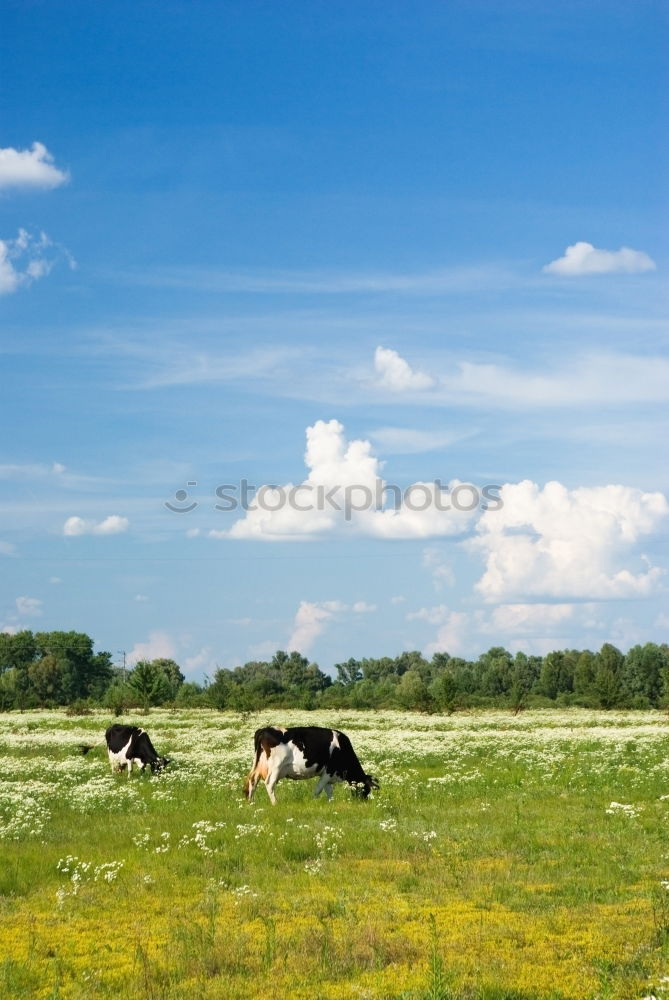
(411, 243)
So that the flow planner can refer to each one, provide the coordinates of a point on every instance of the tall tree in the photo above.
(348, 673)
(85, 674)
(149, 683)
(608, 675)
(172, 673)
(642, 672)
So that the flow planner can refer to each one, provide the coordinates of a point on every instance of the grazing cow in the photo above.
(128, 745)
(305, 752)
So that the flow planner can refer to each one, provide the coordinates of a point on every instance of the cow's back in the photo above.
(118, 736)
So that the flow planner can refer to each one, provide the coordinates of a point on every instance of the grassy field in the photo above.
(504, 857)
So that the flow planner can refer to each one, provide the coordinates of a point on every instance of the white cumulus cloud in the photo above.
(112, 525)
(311, 619)
(202, 662)
(557, 542)
(27, 258)
(29, 168)
(530, 618)
(452, 634)
(158, 646)
(436, 615)
(439, 566)
(363, 608)
(29, 606)
(583, 258)
(395, 373)
(344, 491)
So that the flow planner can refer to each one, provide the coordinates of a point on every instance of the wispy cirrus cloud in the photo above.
(583, 258)
(584, 380)
(408, 441)
(30, 470)
(441, 281)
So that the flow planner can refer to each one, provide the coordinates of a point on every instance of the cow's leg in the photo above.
(270, 782)
(129, 765)
(251, 783)
(323, 783)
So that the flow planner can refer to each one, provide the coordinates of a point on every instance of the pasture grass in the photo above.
(504, 858)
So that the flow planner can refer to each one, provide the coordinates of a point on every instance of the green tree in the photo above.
(348, 673)
(17, 652)
(149, 683)
(46, 678)
(172, 673)
(297, 674)
(524, 676)
(608, 675)
(9, 694)
(444, 691)
(84, 673)
(412, 692)
(191, 695)
(415, 661)
(440, 661)
(464, 674)
(584, 675)
(220, 690)
(642, 673)
(557, 673)
(495, 671)
(376, 669)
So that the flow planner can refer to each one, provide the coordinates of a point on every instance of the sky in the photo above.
(338, 328)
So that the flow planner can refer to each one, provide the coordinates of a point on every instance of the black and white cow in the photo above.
(305, 752)
(128, 745)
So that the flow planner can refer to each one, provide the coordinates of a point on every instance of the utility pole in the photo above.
(122, 652)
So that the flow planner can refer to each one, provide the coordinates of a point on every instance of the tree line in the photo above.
(53, 669)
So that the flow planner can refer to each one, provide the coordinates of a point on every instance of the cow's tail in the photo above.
(252, 778)
(260, 754)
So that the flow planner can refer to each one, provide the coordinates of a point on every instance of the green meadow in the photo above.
(505, 857)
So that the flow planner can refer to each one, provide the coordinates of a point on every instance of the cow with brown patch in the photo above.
(305, 752)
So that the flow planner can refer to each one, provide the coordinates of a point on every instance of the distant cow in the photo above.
(305, 752)
(128, 745)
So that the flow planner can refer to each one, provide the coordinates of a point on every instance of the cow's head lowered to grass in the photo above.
(306, 752)
(361, 789)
